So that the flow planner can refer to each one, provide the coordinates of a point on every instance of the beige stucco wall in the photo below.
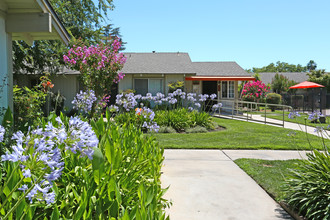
(169, 78)
(128, 81)
(188, 86)
(125, 83)
(68, 86)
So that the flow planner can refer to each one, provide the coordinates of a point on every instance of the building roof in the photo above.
(219, 69)
(158, 63)
(295, 76)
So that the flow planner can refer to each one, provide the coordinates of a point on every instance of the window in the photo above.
(143, 86)
(228, 89)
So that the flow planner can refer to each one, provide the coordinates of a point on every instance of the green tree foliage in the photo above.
(281, 83)
(311, 65)
(280, 67)
(320, 77)
(82, 18)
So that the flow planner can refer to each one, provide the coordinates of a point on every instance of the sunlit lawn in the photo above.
(270, 174)
(303, 119)
(241, 135)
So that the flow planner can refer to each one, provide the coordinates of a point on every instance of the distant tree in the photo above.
(320, 77)
(311, 65)
(281, 83)
(280, 67)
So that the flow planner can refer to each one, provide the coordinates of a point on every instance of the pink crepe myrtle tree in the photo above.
(99, 65)
(255, 91)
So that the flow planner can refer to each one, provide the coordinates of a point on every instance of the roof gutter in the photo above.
(220, 78)
(61, 30)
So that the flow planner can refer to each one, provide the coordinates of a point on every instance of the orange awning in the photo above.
(220, 78)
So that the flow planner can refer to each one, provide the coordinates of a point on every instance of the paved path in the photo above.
(208, 185)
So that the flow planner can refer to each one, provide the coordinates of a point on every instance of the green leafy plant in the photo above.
(28, 106)
(197, 129)
(173, 86)
(273, 98)
(281, 84)
(166, 129)
(308, 186)
(179, 119)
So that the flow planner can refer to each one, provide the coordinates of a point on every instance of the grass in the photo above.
(241, 135)
(269, 174)
(300, 120)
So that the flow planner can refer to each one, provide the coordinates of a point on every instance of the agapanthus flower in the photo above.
(2, 133)
(173, 101)
(314, 115)
(84, 101)
(293, 114)
(216, 107)
(213, 96)
(39, 154)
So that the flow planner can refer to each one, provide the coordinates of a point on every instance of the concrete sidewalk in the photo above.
(208, 185)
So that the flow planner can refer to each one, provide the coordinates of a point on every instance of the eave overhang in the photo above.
(220, 78)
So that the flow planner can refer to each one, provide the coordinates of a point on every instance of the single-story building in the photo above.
(152, 72)
(27, 20)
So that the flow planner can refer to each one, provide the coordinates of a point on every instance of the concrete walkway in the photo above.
(208, 185)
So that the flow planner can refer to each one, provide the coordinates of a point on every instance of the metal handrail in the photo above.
(239, 108)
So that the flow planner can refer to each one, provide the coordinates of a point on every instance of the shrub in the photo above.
(197, 129)
(273, 98)
(166, 129)
(142, 118)
(122, 181)
(309, 185)
(179, 119)
(173, 86)
(255, 91)
(28, 106)
(202, 119)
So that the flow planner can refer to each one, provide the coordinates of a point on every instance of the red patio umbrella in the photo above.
(306, 85)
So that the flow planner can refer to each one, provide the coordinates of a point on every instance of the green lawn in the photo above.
(301, 120)
(269, 174)
(240, 135)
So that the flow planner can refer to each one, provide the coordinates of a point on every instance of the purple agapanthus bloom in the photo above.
(213, 96)
(84, 101)
(2, 133)
(315, 115)
(293, 114)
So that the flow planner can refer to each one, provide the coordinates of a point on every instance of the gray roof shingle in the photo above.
(219, 69)
(295, 76)
(158, 63)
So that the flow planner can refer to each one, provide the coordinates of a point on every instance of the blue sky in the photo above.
(254, 33)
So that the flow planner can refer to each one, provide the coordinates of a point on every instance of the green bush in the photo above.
(309, 186)
(197, 129)
(202, 119)
(121, 182)
(28, 106)
(166, 129)
(179, 119)
(273, 98)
